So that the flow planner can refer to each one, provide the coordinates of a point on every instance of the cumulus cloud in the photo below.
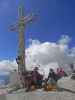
(49, 54)
(7, 65)
(64, 40)
(45, 55)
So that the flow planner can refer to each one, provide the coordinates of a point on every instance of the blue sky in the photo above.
(55, 17)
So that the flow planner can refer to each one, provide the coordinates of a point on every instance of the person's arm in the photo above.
(49, 75)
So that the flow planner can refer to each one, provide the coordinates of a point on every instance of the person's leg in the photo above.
(40, 83)
(28, 85)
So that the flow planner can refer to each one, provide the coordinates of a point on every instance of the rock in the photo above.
(67, 83)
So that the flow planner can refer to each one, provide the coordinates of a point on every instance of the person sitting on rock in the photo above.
(37, 77)
(52, 77)
(61, 73)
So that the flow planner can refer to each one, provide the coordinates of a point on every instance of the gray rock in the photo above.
(67, 83)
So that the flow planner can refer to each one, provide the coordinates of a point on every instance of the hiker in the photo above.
(50, 83)
(61, 73)
(72, 68)
(28, 81)
(52, 77)
(37, 77)
(39, 80)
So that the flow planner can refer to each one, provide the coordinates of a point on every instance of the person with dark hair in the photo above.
(61, 73)
(52, 77)
(52, 74)
(72, 68)
(51, 81)
(37, 78)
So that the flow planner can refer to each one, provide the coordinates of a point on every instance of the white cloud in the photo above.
(65, 39)
(47, 54)
(7, 65)
(72, 51)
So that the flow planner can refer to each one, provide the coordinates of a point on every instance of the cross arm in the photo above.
(29, 18)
